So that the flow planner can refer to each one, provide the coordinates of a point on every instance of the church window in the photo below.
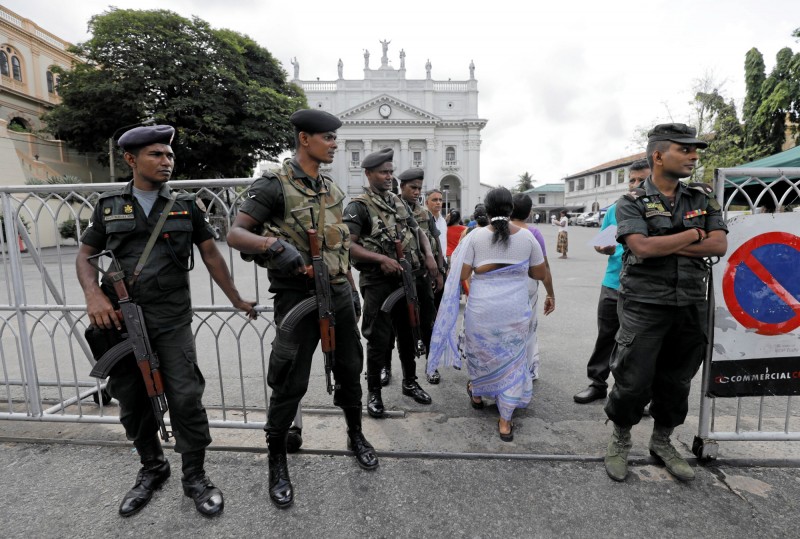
(16, 69)
(4, 63)
(450, 155)
(51, 86)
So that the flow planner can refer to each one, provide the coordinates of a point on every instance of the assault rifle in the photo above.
(408, 290)
(136, 342)
(322, 300)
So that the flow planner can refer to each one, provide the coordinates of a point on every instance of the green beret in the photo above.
(411, 174)
(315, 121)
(680, 133)
(378, 158)
(139, 137)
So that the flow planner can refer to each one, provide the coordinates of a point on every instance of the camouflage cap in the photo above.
(680, 133)
(139, 137)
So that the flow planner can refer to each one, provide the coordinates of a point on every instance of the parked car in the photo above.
(581, 221)
(572, 218)
(592, 219)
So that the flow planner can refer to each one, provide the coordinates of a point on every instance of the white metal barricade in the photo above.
(44, 357)
(748, 417)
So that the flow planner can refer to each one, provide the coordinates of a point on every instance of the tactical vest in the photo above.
(422, 216)
(299, 200)
(384, 216)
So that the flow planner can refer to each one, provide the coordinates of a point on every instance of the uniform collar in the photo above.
(650, 188)
(164, 191)
(299, 174)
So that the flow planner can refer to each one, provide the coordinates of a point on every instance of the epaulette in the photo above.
(704, 188)
(635, 193)
(109, 194)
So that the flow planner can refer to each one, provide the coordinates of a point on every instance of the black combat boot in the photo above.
(295, 439)
(375, 401)
(357, 443)
(196, 485)
(153, 473)
(280, 486)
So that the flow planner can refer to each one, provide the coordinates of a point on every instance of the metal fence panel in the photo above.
(748, 418)
(44, 358)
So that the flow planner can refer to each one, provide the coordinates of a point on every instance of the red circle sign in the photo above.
(744, 256)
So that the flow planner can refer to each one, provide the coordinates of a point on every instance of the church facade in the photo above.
(430, 124)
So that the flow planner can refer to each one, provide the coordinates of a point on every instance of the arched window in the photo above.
(51, 86)
(4, 63)
(16, 69)
(450, 153)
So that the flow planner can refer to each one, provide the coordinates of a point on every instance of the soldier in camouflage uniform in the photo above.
(410, 191)
(265, 230)
(372, 218)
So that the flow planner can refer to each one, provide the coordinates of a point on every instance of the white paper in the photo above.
(606, 237)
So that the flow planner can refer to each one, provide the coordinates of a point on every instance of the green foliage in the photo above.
(778, 105)
(524, 183)
(754, 76)
(69, 230)
(226, 96)
(54, 180)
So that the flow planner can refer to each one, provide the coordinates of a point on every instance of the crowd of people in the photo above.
(431, 286)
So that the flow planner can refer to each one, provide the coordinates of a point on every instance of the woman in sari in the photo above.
(498, 260)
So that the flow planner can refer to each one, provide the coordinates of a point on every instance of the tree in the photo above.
(779, 104)
(226, 96)
(754, 75)
(524, 183)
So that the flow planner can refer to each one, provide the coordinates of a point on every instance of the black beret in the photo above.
(315, 121)
(139, 137)
(680, 133)
(411, 174)
(376, 159)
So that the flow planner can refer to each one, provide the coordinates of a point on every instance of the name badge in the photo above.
(107, 218)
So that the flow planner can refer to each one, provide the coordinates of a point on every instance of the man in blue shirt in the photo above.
(607, 320)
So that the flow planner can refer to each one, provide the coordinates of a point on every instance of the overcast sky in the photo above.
(565, 85)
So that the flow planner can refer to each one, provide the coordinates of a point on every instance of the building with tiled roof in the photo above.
(599, 186)
(547, 200)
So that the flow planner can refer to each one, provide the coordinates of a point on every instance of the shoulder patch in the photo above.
(633, 194)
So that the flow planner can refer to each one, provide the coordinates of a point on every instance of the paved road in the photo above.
(64, 479)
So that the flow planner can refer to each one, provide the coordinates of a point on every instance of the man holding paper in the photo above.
(607, 320)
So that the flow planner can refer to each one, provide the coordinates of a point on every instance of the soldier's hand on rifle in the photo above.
(286, 257)
(357, 304)
(390, 265)
(101, 312)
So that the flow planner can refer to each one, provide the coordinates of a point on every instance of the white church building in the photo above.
(428, 123)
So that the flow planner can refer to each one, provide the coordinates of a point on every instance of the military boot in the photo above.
(357, 443)
(280, 486)
(374, 400)
(616, 459)
(207, 498)
(663, 450)
(153, 473)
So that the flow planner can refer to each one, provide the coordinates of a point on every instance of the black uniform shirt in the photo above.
(119, 224)
(671, 279)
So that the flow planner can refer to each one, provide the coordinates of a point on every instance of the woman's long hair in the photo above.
(499, 204)
(454, 218)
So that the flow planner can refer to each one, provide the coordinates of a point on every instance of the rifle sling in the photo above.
(151, 242)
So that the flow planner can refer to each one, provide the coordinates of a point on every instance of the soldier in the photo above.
(371, 218)
(410, 190)
(266, 228)
(667, 228)
(123, 222)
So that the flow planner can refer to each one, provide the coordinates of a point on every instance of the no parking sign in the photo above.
(757, 294)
